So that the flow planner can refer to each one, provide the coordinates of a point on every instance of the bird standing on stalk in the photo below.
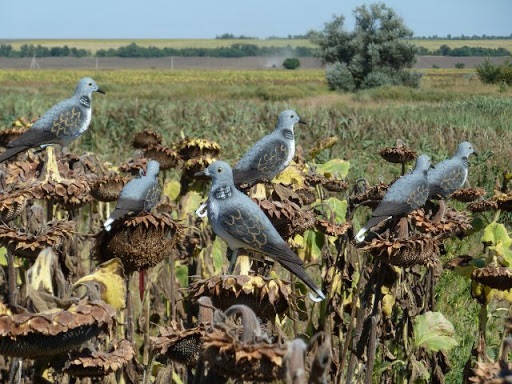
(271, 154)
(242, 224)
(61, 124)
(139, 194)
(448, 176)
(408, 193)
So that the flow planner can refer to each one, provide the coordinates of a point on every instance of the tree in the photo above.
(291, 63)
(377, 44)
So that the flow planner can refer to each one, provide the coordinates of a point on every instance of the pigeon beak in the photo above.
(302, 122)
(475, 153)
(204, 172)
(99, 90)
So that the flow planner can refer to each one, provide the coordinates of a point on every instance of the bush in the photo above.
(377, 79)
(291, 63)
(435, 66)
(491, 74)
(340, 78)
(459, 65)
(408, 78)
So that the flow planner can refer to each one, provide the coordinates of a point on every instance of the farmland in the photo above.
(225, 106)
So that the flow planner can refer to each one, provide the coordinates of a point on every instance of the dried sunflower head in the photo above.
(483, 205)
(330, 229)
(369, 197)
(467, 195)
(146, 138)
(267, 297)
(453, 223)
(398, 154)
(50, 333)
(108, 188)
(178, 344)
(493, 277)
(134, 166)
(167, 157)
(189, 148)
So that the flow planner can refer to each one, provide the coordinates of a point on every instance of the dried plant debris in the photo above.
(108, 188)
(178, 344)
(493, 277)
(189, 148)
(19, 127)
(140, 241)
(369, 197)
(483, 205)
(416, 250)
(228, 356)
(50, 333)
(71, 193)
(146, 138)
(453, 223)
(330, 229)
(335, 185)
(29, 245)
(467, 195)
(491, 373)
(12, 204)
(98, 364)
(134, 166)
(196, 164)
(503, 200)
(287, 217)
(167, 157)
(267, 297)
(398, 154)
(322, 145)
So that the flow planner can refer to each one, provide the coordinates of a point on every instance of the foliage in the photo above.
(433, 332)
(491, 73)
(291, 63)
(445, 50)
(459, 65)
(376, 44)
(25, 50)
(339, 77)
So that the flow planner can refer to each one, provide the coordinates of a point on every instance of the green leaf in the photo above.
(314, 243)
(494, 233)
(333, 205)
(433, 332)
(3, 257)
(334, 168)
(182, 275)
(172, 189)
(189, 203)
(219, 249)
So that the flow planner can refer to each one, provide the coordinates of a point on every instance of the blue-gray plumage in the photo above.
(242, 224)
(61, 124)
(451, 174)
(271, 154)
(139, 194)
(408, 193)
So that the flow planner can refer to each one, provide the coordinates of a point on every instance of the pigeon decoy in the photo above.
(242, 224)
(449, 175)
(408, 193)
(61, 124)
(271, 154)
(139, 194)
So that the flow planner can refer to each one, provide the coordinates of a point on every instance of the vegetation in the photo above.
(492, 74)
(291, 63)
(450, 106)
(374, 54)
(445, 50)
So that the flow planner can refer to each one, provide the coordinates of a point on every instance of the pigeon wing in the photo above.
(152, 196)
(263, 161)
(405, 195)
(62, 120)
(254, 230)
(453, 179)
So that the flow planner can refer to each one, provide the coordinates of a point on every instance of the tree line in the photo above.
(234, 50)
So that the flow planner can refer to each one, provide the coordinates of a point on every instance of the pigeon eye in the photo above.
(291, 117)
(90, 84)
(219, 170)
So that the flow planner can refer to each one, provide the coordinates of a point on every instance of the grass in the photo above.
(94, 44)
(451, 106)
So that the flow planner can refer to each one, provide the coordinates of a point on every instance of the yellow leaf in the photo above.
(110, 276)
(39, 276)
(172, 189)
(291, 176)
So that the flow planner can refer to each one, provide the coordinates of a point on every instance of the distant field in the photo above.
(94, 45)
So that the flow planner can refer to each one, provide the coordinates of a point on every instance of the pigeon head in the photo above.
(86, 86)
(422, 164)
(153, 168)
(220, 173)
(465, 149)
(287, 119)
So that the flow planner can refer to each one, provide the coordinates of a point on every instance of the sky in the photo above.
(260, 18)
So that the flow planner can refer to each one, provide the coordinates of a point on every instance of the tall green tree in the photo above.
(376, 52)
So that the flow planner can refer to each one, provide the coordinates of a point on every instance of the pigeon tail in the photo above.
(117, 214)
(10, 152)
(299, 271)
(361, 235)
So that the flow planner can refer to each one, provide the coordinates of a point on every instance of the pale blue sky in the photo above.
(208, 18)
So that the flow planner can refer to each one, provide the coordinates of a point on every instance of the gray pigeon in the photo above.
(451, 174)
(242, 224)
(61, 124)
(271, 154)
(139, 194)
(448, 176)
(408, 193)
